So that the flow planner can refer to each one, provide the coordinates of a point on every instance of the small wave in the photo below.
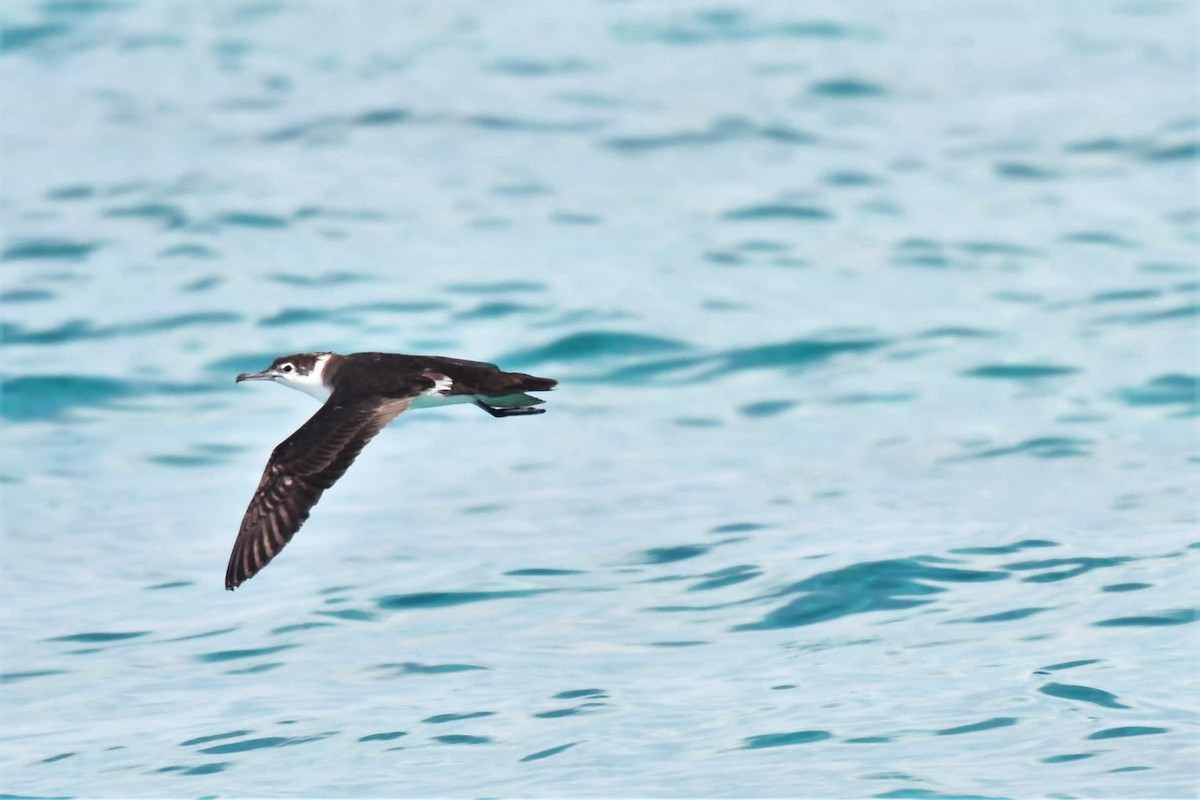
(1019, 372)
(795, 353)
(214, 737)
(1102, 238)
(197, 251)
(871, 586)
(1039, 447)
(505, 123)
(1125, 295)
(531, 68)
(497, 310)
(345, 314)
(784, 739)
(548, 752)
(594, 345)
(1061, 569)
(777, 211)
(381, 116)
(976, 727)
(13, 677)
(1012, 170)
(168, 216)
(1177, 152)
(80, 330)
(426, 600)
(218, 656)
(21, 37)
(1185, 312)
(727, 25)
(78, 191)
(669, 555)
(1086, 694)
(260, 743)
(1004, 549)
(313, 281)
(1127, 730)
(503, 287)
(441, 719)
(53, 397)
(1165, 390)
(721, 131)
(27, 296)
(462, 738)
(766, 408)
(1182, 616)
(542, 572)
(99, 637)
(252, 219)
(415, 668)
(1011, 615)
(729, 576)
(847, 88)
(48, 249)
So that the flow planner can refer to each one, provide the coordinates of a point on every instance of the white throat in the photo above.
(313, 383)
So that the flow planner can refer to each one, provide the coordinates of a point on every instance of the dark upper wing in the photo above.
(302, 467)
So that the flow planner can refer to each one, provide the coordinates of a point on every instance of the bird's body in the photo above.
(362, 393)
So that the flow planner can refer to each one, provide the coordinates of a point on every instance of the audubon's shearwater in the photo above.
(362, 393)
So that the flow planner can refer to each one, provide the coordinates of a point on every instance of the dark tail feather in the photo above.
(506, 383)
(534, 384)
(504, 395)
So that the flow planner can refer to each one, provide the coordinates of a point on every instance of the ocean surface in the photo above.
(873, 468)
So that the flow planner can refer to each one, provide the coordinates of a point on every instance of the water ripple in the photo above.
(47, 249)
(785, 739)
(1085, 694)
(237, 655)
(1074, 567)
(1019, 372)
(98, 637)
(386, 736)
(861, 588)
(1182, 616)
(53, 397)
(548, 752)
(975, 727)
(82, 330)
(593, 345)
(1038, 447)
(847, 88)
(1165, 390)
(414, 668)
(424, 600)
(777, 211)
(721, 131)
(1127, 730)
(727, 25)
(260, 743)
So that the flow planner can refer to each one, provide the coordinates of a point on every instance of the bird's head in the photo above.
(302, 371)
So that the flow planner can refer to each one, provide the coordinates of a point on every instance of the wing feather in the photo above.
(300, 469)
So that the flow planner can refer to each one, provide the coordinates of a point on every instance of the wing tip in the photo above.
(233, 576)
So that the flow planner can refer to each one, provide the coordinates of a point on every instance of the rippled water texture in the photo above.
(872, 471)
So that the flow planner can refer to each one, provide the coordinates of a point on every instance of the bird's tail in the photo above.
(508, 390)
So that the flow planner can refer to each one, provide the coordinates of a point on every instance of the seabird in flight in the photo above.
(362, 393)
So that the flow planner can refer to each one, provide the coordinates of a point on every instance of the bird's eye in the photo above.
(286, 368)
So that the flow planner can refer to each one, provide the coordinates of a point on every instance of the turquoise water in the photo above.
(873, 467)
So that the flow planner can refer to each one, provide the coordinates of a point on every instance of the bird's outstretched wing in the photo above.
(302, 467)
